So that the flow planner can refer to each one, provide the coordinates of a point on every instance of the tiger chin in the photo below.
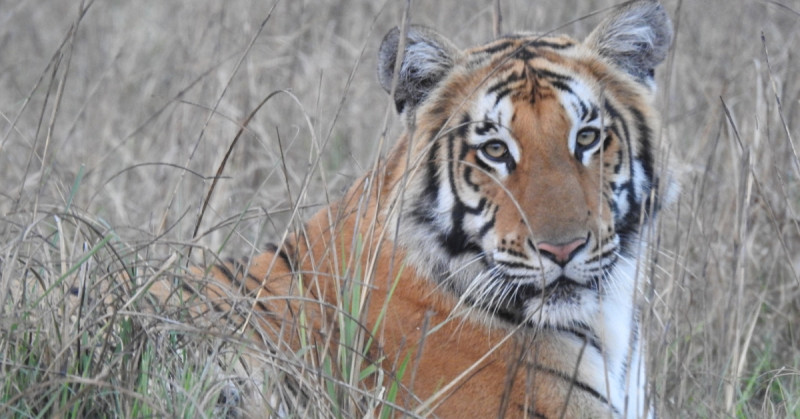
(502, 230)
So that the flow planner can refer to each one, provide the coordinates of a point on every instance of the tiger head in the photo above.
(531, 164)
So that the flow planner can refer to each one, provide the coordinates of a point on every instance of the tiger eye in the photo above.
(587, 137)
(495, 150)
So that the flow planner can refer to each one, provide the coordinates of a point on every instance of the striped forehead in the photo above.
(522, 82)
(522, 45)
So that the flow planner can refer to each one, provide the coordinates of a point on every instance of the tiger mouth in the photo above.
(561, 289)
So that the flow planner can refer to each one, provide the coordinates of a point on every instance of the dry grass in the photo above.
(115, 115)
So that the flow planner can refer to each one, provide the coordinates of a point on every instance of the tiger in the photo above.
(498, 241)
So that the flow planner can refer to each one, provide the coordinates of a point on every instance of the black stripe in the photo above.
(615, 116)
(620, 160)
(260, 282)
(549, 44)
(241, 271)
(286, 259)
(645, 133)
(492, 49)
(577, 384)
(511, 164)
(510, 42)
(594, 114)
(227, 272)
(615, 130)
(627, 229)
(651, 201)
(598, 244)
(477, 210)
(463, 127)
(438, 110)
(455, 241)
(549, 75)
(467, 175)
(186, 288)
(451, 139)
(236, 279)
(525, 54)
(430, 194)
(482, 164)
(584, 335)
(483, 127)
(513, 252)
(600, 256)
(584, 110)
(562, 86)
(517, 265)
(503, 84)
(606, 143)
(213, 302)
(485, 228)
(502, 94)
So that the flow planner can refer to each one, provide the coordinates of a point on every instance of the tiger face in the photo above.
(535, 166)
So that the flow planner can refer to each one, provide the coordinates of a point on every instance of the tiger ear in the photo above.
(636, 38)
(427, 58)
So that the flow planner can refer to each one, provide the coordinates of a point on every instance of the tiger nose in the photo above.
(561, 253)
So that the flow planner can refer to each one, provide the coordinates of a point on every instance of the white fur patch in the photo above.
(640, 182)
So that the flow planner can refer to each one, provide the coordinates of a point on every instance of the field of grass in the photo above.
(115, 118)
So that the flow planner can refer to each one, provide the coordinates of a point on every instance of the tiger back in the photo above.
(495, 247)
